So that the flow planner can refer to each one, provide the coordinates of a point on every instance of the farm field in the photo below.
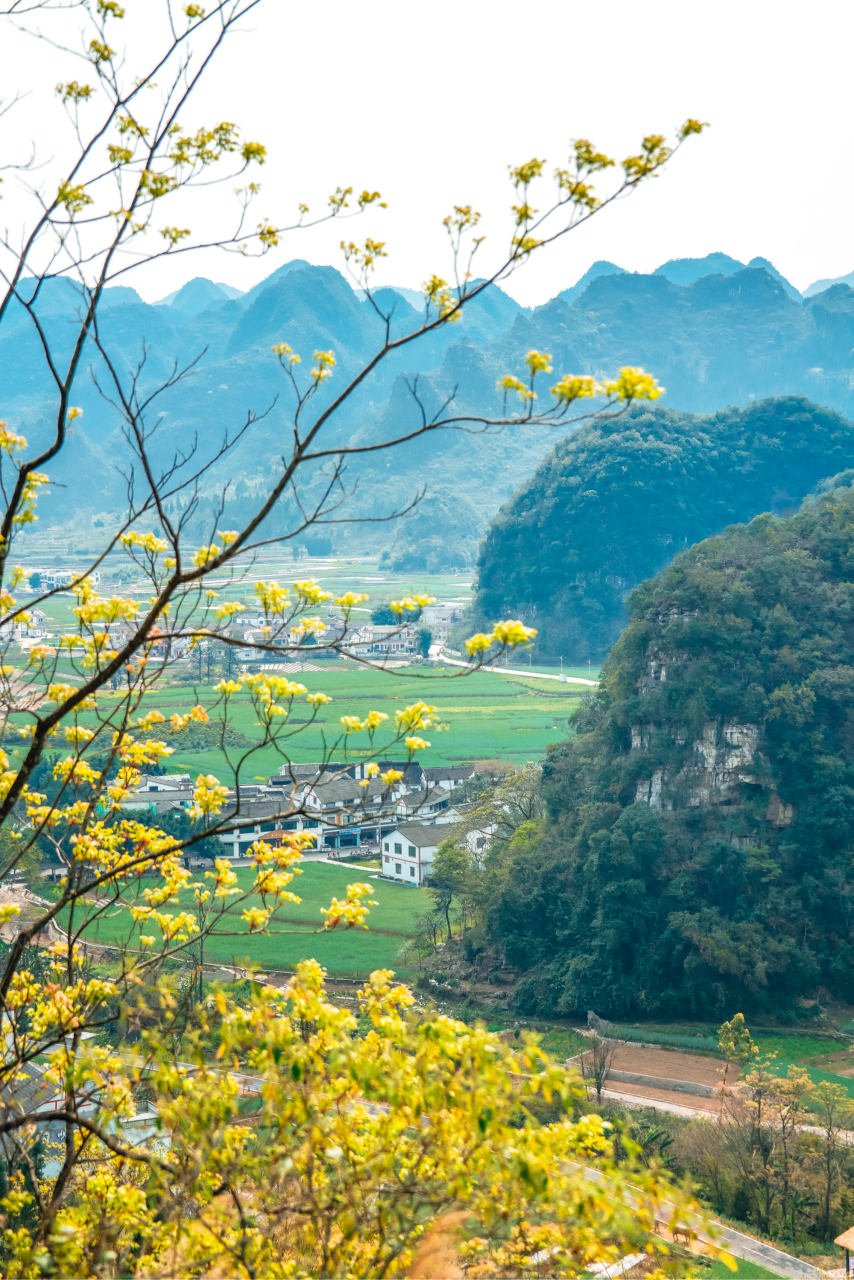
(483, 716)
(801, 1048)
(353, 953)
(509, 715)
(717, 1270)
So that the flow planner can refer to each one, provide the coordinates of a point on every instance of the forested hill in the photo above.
(697, 856)
(613, 503)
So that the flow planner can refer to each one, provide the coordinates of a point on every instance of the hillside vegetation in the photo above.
(613, 503)
(697, 854)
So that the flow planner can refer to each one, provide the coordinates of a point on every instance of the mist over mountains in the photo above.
(714, 331)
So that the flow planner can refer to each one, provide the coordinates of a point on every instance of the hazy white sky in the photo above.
(430, 102)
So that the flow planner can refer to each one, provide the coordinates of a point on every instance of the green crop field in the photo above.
(488, 715)
(481, 716)
(715, 1269)
(354, 952)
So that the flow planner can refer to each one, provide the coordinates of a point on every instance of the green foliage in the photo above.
(698, 853)
(734, 1040)
(668, 1040)
(744, 1271)
(613, 503)
(213, 735)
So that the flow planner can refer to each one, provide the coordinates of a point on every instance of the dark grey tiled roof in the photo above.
(348, 791)
(258, 810)
(423, 799)
(450, 773)
(305, 772)
(423, 837)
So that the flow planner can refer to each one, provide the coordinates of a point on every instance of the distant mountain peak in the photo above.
(600, 268)
(819, 286)
(688, 270)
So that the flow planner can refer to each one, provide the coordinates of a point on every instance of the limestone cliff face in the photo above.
(720, 760)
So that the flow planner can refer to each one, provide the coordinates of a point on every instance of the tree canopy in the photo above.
(615, 501)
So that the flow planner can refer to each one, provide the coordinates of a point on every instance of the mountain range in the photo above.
(714, 331)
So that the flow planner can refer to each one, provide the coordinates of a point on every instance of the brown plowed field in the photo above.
(670, 1065)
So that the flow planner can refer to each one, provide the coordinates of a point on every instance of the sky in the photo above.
(430, 102)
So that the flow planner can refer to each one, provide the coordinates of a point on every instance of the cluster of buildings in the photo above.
(337, 805)
(26, 634)
(366, 639)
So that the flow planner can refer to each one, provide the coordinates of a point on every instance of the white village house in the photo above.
(408, 852)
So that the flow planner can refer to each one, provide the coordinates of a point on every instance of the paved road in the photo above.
(735, 1242)
(520, 671)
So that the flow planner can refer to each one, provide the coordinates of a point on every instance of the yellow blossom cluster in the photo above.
(417, 716)
(352, 911)
(145, 541)
(209, 795)
(324, 366)
(10, 442)
(438, 295)
(410, 604)
(372, 721)
(508, 635)
(26, 513)
(631, 384)
(281, 350)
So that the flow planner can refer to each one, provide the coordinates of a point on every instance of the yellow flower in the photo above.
(208, 797)
(281, 349)
(574, 388)
(9, 441)
(410, 604)
(512, 634)
(416, 716)
(352, 912)
(634, 384)
(204, 555)
(538, 362)
(416, 744)
(350, 600)
(310, 592)
(325, 362)
(256, 918)
(479, 643)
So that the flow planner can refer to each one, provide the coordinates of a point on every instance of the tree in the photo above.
(835, 1117)
(423, 640)
(341, 1172)
(734, 1041)
(450, 875)
(597, 1067)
